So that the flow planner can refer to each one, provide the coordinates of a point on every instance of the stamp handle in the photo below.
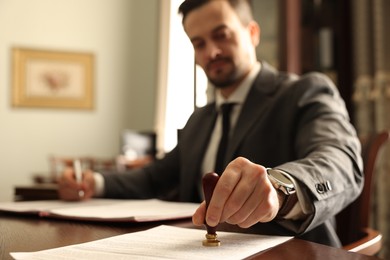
(209, 181)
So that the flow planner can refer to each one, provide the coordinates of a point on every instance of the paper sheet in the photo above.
(136, 210)
(106, 209)
(161, 242)
(48, 205)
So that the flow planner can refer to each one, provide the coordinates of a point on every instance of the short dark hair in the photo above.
(243, 8)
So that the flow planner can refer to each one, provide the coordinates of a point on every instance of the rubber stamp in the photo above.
(209, 181)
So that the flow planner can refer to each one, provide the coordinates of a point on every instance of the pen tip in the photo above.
(81, 194)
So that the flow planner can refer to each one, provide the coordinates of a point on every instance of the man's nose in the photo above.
(213, 51)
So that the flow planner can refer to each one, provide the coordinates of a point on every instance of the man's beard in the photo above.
(227, 80)
(223, 83)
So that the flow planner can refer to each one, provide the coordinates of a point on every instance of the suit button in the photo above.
(323, 187)
(320, 187)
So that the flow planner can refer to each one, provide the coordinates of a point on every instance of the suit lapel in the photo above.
(198, 137)
(257, 100)
(202, 135)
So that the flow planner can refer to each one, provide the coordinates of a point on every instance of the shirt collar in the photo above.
(239, 95)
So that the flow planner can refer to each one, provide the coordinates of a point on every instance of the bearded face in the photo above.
(224, 47)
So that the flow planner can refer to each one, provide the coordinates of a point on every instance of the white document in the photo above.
(161, 242)
(105, 209)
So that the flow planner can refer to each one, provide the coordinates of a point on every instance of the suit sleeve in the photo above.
(157, 180)
(329, 168)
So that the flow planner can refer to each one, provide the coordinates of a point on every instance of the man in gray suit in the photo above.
(292, 161)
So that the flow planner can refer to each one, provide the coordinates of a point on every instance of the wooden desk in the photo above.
(20, 233)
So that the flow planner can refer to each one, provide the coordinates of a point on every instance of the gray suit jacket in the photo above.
(297, 124)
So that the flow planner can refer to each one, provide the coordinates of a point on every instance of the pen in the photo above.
(78, 174)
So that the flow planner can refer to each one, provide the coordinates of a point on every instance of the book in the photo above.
(42, 191)
(104, 210)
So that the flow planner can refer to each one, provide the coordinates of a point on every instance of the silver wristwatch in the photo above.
(280, 181)
(285, 188)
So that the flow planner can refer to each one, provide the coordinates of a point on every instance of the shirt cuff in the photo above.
(99, 184)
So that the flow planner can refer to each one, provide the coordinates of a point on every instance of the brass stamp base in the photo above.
(211, 240)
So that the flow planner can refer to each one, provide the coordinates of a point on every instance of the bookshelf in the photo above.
(316, 35)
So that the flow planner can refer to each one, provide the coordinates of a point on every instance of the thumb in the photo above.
(199, 215)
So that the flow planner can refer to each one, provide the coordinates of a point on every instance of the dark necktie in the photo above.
(223, 143)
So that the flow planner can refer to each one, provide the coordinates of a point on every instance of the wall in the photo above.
(123, 36)
(266, 14)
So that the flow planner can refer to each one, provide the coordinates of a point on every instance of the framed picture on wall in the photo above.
(52, 79)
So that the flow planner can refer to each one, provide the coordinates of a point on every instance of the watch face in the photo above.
(278, 177)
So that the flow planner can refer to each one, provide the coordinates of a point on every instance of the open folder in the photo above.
(104, 209)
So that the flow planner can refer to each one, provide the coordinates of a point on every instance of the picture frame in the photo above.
(52, 79)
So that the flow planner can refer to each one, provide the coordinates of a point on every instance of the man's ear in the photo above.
(255, 32)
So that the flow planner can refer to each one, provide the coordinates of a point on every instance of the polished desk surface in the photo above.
(23, 233)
